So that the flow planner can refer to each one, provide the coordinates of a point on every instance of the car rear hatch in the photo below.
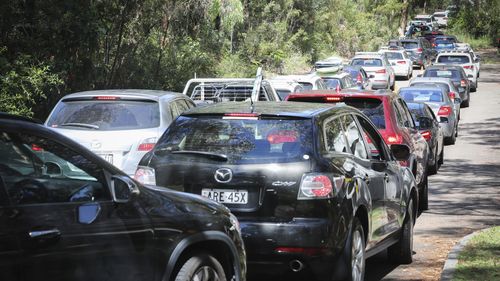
(110, 126)
(252, 164)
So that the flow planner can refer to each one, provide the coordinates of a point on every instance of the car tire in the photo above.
(466, 103)
(441, 158)
(402, 251)
(451, 140)
(435, 165)
(354, 253)
(424, 196)
(199, 266)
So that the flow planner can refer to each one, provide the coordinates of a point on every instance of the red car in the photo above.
(393, 119)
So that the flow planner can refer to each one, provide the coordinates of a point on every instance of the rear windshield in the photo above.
(394, 56)
(451, 73)
(443, 86)
(332, 83)
(105, 115)
(306, 85)
(367, 62)
(354, 73)
(454, 59)
(440, 15)
(444, 44)
(421, 95)
(373, 108)
(410, 45)
(241, 140)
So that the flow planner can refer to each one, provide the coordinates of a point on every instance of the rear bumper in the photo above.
(309, 241)
(379, 84)
(448, 128)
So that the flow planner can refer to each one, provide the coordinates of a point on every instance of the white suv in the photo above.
(465, 60)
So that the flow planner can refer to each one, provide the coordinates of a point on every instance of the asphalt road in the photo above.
(465, 194)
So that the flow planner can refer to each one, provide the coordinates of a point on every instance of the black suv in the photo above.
(456, 74)
(314, 186)
(67, 214)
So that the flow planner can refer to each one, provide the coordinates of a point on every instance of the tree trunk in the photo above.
(404, 18)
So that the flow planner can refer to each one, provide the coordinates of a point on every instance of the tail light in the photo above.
(35, 147)
(401, 62)
(468, 66)
(145, 175)
(463, 83)
(147, 144)
(452, 95)
(333, 99)
(419, 50)
(319, 186)
(434, 45)
(394, 139)
(444, 111)
(427, 135)
(382, 71)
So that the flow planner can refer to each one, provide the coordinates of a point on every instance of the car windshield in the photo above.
(283, 93)
(453, 59)
(373, 108)
(332, 83)
(394, 56)
(410, 45)
(451, 73)
(421, 95)
(367, 62)
(240, 140)
(105, 115)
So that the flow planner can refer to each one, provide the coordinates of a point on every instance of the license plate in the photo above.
(107, 157)
(229, 196)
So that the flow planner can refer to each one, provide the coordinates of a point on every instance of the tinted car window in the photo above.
(448, 73)
(105, 115)
(37, 170)
(354, 138)
(335, 136)
(242, 140)
(367, 62)
(454, 59)
(307, 86)
(373, 108)
(443, 86)
(421, 95)
(283, 93)
(410, 45)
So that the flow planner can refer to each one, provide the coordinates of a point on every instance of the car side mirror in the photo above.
(419, 75)
(424, 123)
(87, 213)
(470, 76)
(123, 188)
(52, 169)
(392, 63)
(400, 151)
(372, 76)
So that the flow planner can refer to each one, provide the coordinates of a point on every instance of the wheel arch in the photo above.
(362, 215)
(214, 242)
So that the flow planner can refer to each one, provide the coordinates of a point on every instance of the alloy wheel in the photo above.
(205, 273)
(357, 256)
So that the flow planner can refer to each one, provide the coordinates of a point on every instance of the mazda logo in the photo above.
(223, 175)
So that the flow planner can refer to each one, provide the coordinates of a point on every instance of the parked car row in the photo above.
(297, 174)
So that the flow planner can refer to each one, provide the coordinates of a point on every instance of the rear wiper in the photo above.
(215, 156)
(90, 126)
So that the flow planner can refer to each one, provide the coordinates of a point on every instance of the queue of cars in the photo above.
(298, 174)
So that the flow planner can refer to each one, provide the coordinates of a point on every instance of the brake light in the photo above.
(382, 71)
(434, 45)
(333, 99)
(463, 83)
(419, 50)
(427, 135)
(452, 95)
(147, 144)
(145, 175)
(252, 116)
(468, 66)
(318, 186)
(35, 147)
(444, 111)
(282, 136)
(395, 139)
(401, 62)
(106, 98)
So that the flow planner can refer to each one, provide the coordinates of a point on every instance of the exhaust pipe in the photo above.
(296, 265)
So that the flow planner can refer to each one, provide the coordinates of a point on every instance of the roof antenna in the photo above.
(256, 88)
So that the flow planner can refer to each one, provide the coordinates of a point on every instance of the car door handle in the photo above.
(45, 234)
(365, 178)
(386, 177)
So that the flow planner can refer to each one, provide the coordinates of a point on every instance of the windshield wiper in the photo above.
(215, 156)
(90, 126)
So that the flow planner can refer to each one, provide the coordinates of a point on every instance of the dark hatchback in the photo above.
(67, 214)
(314, 186)
(457, 75)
